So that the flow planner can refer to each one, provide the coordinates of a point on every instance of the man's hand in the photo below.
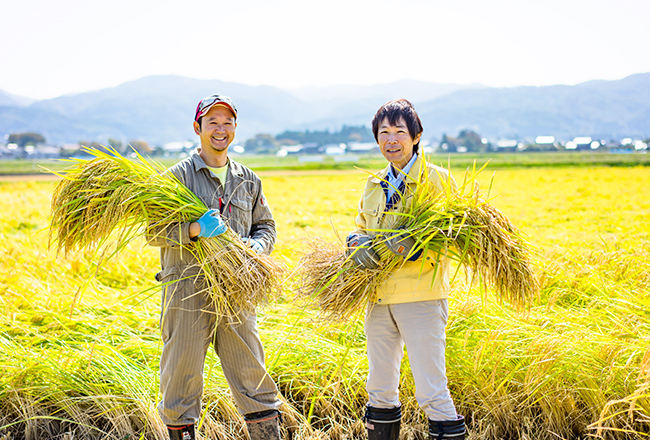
(211, 224)
(361, 251)
(402, 244)
(254, 244)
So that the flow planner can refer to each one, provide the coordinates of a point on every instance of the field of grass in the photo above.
(79, 345)
(370, 161)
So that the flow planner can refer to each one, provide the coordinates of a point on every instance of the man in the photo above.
(410, 308)
(233, 194)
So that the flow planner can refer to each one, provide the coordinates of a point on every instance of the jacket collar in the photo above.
(411, 177)
(234, 167)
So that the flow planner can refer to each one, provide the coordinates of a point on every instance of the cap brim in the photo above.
(207, 109)
(228, 106)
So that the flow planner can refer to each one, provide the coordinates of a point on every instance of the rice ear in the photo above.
(457, 223)
(108, 200)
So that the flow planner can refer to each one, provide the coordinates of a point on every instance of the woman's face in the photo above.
(396, 143)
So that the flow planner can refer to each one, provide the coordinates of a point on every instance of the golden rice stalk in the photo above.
(109, 200)
(456, 223)
(244, 277)
(466, 227)
(341, 287)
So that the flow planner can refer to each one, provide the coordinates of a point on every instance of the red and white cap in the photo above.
(206, 104)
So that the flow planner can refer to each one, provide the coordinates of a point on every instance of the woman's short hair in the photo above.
(393, 111)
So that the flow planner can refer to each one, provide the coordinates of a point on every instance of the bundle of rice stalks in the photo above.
(340, 286)
(449, 222)
(109, 200)
(465, 226)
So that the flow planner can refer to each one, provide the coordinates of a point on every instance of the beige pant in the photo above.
(188, 327)
(421, 327)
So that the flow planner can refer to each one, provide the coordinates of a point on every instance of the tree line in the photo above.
(266, 143)
(466, 141)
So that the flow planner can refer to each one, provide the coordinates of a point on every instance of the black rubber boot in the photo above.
(383, 423)
(183, 432)
(449, 429)
(264, 425)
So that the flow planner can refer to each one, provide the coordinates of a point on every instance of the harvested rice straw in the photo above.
(340, 287)
(458, 224)
(470, 230)
(110, 200)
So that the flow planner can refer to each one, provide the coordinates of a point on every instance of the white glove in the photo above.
(253, 244)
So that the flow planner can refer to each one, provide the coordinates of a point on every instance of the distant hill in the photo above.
(7, 99)
(159, 109)
(600, 109)
(331, 101)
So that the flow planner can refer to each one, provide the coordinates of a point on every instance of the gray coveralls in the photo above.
(188, 324)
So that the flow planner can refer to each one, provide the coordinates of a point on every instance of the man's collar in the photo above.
(381, 175)
(198, 162)
(409, 165)
(412, 174)
(235, 168)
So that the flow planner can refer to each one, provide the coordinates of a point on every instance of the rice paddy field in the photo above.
(80, 343)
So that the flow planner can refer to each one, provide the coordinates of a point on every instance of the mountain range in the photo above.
(159, 109)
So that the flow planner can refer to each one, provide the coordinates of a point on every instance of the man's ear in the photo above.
(197, 128)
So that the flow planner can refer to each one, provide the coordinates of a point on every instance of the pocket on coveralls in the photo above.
(241, 216)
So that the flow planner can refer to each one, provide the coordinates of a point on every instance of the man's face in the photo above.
(396, 143)
(217, 129)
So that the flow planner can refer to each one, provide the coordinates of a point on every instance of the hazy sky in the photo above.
(53, 47)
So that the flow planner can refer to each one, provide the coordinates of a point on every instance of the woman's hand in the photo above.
(361, 251)
(402, 244)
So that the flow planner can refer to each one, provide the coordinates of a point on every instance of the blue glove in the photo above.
(361, 251)
(402, 245)
(211, 224)
(254, 244)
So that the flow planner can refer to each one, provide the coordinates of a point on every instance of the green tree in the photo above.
(141, 146)
(346, 134)
(449, 143)
(471, 140)
(261, 144)
(23, 139)
(117, 144)
(356, 134)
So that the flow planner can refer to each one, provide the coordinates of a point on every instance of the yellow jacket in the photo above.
(413, 280)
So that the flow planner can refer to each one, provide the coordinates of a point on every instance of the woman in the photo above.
(410, 308)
